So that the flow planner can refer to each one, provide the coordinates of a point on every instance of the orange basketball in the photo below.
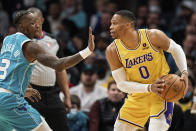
(174, 88)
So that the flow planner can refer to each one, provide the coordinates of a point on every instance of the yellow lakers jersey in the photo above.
(144, 64)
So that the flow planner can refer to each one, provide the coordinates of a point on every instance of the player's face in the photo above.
(39, 22)
(30, 27)
(117, 26)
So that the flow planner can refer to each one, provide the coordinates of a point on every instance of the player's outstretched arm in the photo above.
(32, 51)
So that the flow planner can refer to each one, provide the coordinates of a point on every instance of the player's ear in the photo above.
(21, 26)
(129, 24)
(132, 24)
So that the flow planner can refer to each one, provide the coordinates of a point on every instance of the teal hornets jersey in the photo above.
(15, 70)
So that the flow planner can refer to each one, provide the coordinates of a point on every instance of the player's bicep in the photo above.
(113, 58)
(32, 51)
(159, 39)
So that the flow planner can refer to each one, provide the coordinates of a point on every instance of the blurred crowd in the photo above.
(94, 106)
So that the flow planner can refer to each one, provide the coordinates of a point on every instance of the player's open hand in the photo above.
(33, 94)
(184, 77)
(91, 38)
(158, 86)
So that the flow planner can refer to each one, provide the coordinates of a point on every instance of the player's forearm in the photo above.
(59, 64)
(119, 76)
(67, 62)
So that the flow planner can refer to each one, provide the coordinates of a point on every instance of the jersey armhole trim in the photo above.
(150, 42)
(25, 42)
(117, 50)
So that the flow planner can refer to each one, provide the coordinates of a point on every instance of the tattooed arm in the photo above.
(32, 51)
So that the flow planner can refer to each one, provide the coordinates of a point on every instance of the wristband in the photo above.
(149, 88)
(194, 99)
(85, 53)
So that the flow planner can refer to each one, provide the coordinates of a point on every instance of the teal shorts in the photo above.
(16, 113)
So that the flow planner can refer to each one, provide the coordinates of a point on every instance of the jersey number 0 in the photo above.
(144, 72)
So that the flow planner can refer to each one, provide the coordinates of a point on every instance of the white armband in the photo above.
(119, 76)
(85, 53)
(178, 55)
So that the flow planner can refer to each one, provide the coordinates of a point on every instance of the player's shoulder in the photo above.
(111, 49)
(153, 33)
(111, 46)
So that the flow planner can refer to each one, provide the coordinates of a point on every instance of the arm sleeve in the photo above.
(119, 76)
(178, 55)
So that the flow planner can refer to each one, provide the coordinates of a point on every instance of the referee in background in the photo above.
(44, 78)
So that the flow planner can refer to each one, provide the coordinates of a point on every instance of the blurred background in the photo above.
(68, 21)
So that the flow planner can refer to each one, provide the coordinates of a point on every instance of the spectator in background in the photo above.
(72, 10)
(190, 29)
(87, 90)
(75, 45)
(102, 71)
(100, 8)
(154, 21)
(67, 29)
(105, 21)
(142, 13)
(180, 22)
(43, 79)
(4, 21)
(53, 17)
(12, 29)
(1, 41)
(103, 113)
(77, 120)
(193, 20)
(189, 44)
(101, 44)
(112, 7)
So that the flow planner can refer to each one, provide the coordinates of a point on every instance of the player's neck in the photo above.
(131, 39)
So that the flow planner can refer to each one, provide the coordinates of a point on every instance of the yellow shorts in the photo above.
(139, 107)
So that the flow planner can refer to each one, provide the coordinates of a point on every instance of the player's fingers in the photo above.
(160, 81)
(35, 97)
(31, 99)
(90, 31)
(159, 90)
(160, 86)
(37, 94)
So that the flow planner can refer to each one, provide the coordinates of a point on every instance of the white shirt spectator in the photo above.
(87, 99)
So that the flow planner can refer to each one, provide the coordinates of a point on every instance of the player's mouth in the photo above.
(112, 32)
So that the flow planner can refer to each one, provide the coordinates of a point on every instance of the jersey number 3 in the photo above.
(144, 72)
(4, 68)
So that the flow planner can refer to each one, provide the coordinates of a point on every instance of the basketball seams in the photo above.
(176, 94)
(170, 86)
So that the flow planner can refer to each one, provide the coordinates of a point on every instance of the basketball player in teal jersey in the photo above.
(17, 58)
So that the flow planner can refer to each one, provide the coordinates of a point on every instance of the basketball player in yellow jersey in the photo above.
(137, 62)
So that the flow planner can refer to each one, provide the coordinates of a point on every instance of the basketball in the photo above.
(174, 88)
